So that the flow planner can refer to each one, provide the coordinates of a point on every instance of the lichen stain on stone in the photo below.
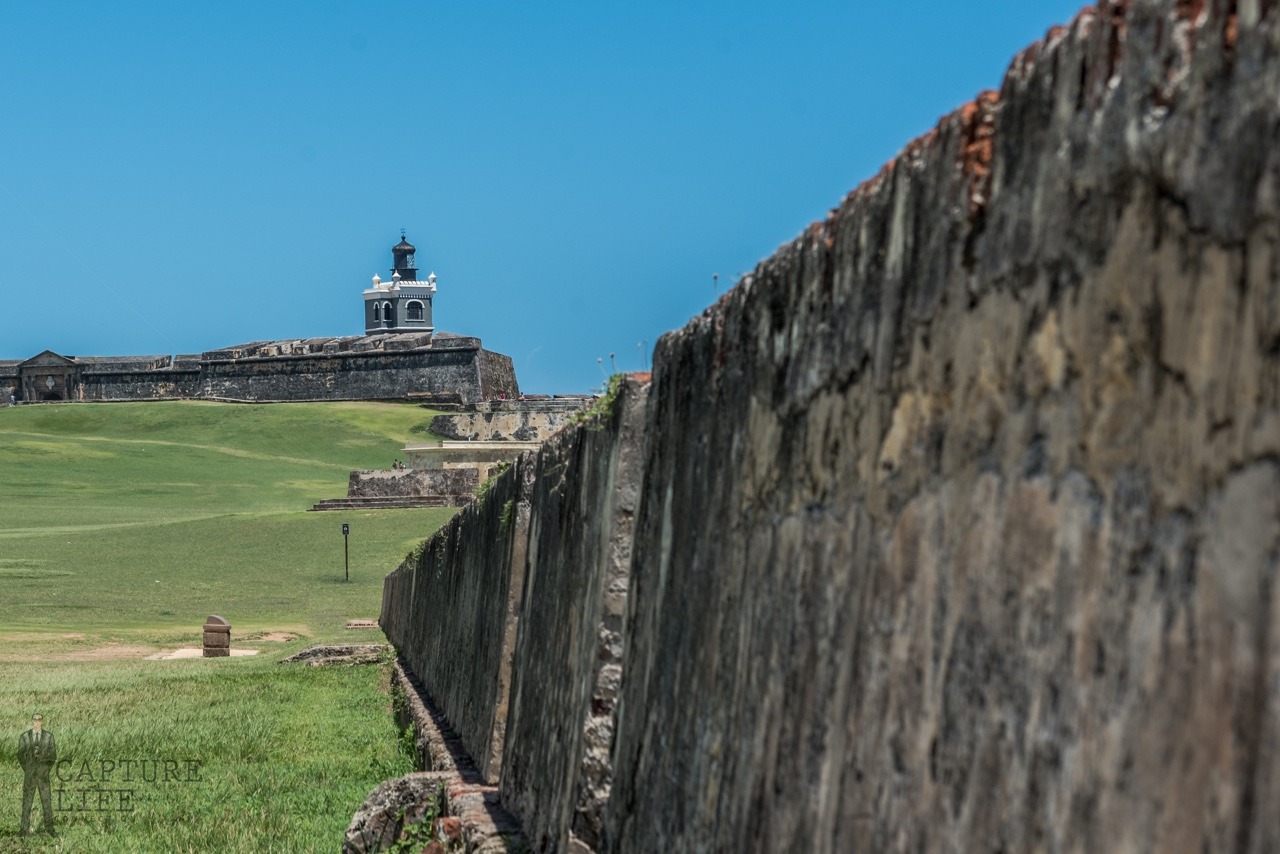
(1050, 355)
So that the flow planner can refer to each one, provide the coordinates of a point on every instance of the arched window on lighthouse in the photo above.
(387, 317)
(377, 312)
(414, 309)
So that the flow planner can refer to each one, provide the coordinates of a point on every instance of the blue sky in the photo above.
(176, 177)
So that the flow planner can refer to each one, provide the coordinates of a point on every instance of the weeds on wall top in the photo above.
(595, 416)
(498, 471)
(418, 835)
(414, 558)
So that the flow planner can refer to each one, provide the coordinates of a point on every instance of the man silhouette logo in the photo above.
(37, 752)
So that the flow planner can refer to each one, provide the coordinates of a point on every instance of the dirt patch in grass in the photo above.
(273, 637)
(198, 652)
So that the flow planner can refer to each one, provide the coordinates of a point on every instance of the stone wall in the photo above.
(506, 424)
(412, 482)
(497, 377)
(960, 523)
(460, 592)
(342, 376)
(371, 367)
(139, 385)
(959, 518)
(9, 382)
(556, 769)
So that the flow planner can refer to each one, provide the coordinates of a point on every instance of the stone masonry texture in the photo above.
(958, 520)
(369, 375)
(446, 609)
(368, 367)
(519, 425)
(556, 768)
(412, 482)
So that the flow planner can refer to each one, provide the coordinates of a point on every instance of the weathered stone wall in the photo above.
(9, 382)
(961, 515)
(412, 482)
(503, 425)
(339, 376)
(556, 769)
(451, 609)
(139, 385)
(372, 367)
(497, 377)
(959, 519)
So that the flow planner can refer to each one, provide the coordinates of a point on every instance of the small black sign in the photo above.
(346, 529)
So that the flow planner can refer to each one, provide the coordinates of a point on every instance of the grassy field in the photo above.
(122, 526)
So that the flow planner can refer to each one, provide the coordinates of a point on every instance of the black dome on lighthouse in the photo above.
(402, 257)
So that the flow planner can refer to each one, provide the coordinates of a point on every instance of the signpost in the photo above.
(346, 552)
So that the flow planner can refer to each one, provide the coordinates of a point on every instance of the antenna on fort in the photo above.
(402, 237)
(613, 362)
(600, 363)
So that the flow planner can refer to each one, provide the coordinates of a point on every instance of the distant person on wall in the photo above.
(37, 753)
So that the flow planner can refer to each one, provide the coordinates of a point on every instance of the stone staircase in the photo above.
(393, 502)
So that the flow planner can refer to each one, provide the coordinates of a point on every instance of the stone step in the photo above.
(392, 502)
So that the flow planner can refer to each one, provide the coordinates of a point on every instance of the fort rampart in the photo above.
(525, 420)
(397, 366)
(956, 523)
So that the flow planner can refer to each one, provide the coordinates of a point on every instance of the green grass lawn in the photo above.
(122, 526)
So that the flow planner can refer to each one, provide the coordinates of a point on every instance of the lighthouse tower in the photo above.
(401, 303)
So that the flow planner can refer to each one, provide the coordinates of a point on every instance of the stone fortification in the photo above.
(387, 366)
(558, 557)
(556, 771)
(958, 522)
(528, 419)
(459, 593)
(400, 482)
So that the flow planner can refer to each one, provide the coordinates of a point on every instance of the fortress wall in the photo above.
(374, 368)
(504, 425)
(372, 375)
(9, 382)
(451, 608)
(139, 385)
(497, 376)
(556, 769)
(959, 519)
(961, 515)
(412, 482)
